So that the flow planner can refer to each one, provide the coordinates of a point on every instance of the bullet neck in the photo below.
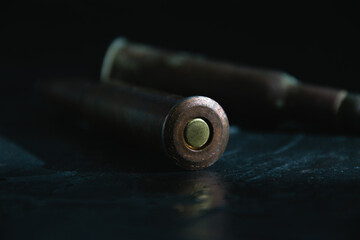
(314, 104)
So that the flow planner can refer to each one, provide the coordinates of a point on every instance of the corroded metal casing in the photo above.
(249, 94)
(245, 92)
(149, 117)
(175, 124)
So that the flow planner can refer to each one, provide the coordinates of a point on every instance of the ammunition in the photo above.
(248, 94)
(193, 131)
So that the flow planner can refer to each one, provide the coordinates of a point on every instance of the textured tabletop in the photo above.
(59, 180)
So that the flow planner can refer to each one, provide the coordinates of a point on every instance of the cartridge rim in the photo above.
(175, 125)
(109, 59)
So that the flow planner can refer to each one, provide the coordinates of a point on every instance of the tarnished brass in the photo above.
(197, 133)
(250, 95)
(150, 118)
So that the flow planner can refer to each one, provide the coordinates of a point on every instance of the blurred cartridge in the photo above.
(193, 131)
(249, 94)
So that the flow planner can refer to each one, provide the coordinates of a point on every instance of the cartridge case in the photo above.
(250, 95)
(148, 117)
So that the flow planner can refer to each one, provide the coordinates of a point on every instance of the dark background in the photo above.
(316, 43)
(60, 181)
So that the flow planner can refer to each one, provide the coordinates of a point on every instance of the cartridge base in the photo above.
(174, 129)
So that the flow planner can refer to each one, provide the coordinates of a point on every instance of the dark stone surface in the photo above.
(58, 181)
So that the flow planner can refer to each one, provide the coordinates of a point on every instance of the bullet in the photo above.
(250, 95)
(193, 131)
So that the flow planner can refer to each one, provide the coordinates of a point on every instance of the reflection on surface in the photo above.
(206, 192)
(207, 195)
